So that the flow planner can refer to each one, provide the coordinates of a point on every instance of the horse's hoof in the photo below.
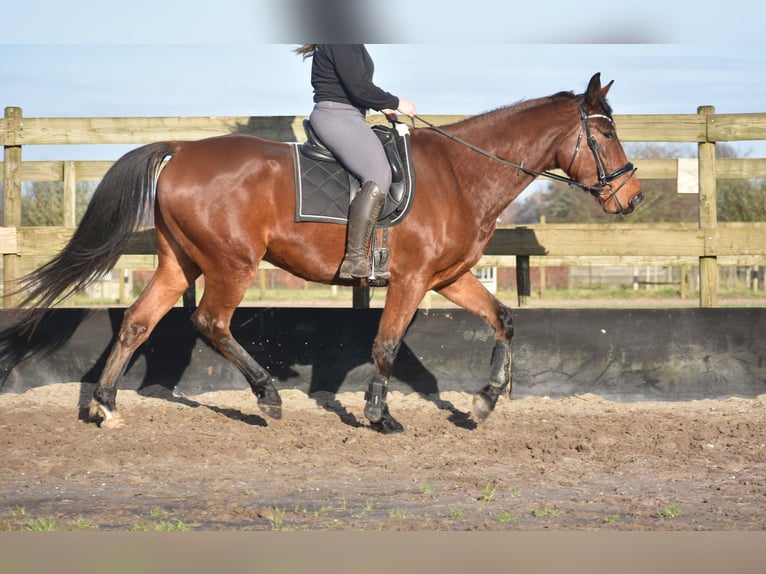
(484, 402)
(270, 402)
(269, 409)
(105, 418)
(114, 422)
(387, 424)
(374, 412)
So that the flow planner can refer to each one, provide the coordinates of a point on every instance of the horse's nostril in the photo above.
(637, 200)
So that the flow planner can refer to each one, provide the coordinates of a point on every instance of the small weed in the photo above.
(546, 512)
(488, 492)
(455, 512)
(670, 512)
(611, 519)
(85, 524)
(164, 524)
(41, 524)
(506, 516)
(174, 525)
(276, 517)
(30, 524)
(322, 510)
(23, 521)
(427, 489)
(397, 513)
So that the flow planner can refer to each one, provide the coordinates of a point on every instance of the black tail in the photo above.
(119, 206)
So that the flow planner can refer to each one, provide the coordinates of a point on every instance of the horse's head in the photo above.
(598, 161)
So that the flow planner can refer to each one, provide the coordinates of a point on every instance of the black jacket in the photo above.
(343, 73)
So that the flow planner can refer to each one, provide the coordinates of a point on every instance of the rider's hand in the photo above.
(407, 107)
(391, 115)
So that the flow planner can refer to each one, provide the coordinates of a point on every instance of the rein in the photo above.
(604, 178)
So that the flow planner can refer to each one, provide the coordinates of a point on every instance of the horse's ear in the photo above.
(595, 92)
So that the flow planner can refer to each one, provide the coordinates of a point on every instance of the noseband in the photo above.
(603, 187)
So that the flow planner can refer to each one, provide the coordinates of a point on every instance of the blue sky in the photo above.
(86, 58)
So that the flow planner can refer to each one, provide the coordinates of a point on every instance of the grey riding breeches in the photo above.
(343, 129)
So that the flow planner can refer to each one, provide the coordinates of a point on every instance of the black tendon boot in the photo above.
(362, 216)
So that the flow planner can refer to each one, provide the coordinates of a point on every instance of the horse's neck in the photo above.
(529, 138)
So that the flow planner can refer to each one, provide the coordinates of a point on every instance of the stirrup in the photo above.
(379, 274)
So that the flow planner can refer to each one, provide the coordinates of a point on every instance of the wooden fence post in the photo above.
(543, 273)
(708, 218)
(12, 199)
(70, 195)
(360, 298)
(523, 280)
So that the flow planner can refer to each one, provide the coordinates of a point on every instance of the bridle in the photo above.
(604, 178)
(603, 187)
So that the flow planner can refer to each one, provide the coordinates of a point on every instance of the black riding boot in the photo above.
(362, 216)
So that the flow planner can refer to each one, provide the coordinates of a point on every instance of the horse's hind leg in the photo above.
(164, 289)
(213, 319)
(469, 293)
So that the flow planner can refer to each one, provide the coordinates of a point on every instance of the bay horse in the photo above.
(224, 204)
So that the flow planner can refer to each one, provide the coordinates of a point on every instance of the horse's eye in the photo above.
(609, 135)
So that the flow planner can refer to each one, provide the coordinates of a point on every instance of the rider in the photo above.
(341, 75)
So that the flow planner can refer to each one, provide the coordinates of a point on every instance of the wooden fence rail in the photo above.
(705, 241)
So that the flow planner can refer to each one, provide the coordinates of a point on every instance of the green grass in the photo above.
(455, 512)
(546, 512)
(276, 518)
(41, 524)
(615, 297)
(489, 490)
(161, 522)
(505, 516)
(20, 520)
(669, 512)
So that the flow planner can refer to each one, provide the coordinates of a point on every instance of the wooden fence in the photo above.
(707, 243)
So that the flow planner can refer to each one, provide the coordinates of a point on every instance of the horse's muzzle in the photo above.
(634, 203)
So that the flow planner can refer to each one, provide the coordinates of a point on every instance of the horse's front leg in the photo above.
(401, 303)
(469, 293)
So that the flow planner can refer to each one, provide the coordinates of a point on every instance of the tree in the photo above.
(42, 203)
(741, 200)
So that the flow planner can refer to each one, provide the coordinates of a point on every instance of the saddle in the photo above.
(324, 189)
